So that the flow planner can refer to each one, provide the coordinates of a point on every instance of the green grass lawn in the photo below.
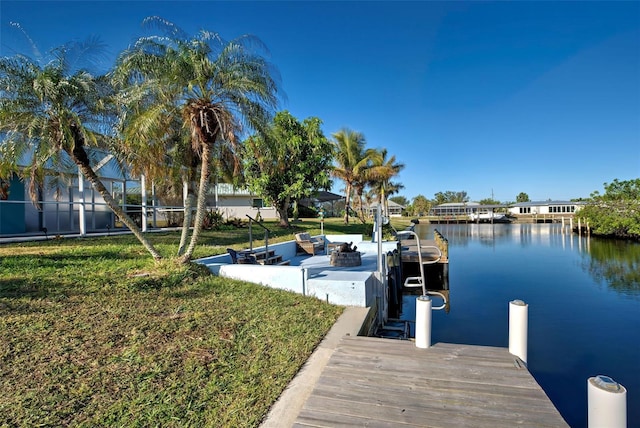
(93, 332)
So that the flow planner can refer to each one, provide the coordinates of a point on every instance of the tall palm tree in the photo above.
(379, 175)
(53, 112)
(215, 87)
(351, 162)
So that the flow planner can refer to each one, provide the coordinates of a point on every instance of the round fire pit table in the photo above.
(345, 258)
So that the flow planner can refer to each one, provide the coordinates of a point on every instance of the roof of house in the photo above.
(459, 204)
(389, 202)
(324, 196)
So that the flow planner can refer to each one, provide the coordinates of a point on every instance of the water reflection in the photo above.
(611, 262)
(615, 263)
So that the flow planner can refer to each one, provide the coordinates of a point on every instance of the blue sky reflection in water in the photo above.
(584, 305)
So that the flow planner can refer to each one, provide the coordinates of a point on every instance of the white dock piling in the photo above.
(607, 403)
(518, 326)
(423, 322)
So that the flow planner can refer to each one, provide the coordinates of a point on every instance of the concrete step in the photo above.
(261, 255)
(271, 260)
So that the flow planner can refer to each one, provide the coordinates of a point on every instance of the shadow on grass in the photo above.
(23, 297)
(94, 254)
(56, 287)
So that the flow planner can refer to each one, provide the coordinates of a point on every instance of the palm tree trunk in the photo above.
(362, 217)
(201, 205)
(347, 200)
(383, 201)
(186, 223)
(81, 159)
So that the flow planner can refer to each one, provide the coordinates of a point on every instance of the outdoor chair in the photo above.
(241, 257)
(308, 245)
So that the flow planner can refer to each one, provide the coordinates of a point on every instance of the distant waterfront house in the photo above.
(395, 209)
(463, 210)
(454, 209)
(545, 207)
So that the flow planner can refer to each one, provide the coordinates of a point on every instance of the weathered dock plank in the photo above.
(389, 383)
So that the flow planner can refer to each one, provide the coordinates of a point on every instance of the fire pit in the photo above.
(345, 256)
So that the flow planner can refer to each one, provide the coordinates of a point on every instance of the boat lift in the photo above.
(421, 281)
(423, 302)
(401, 327)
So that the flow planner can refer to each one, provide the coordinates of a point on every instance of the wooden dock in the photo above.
(390, 383)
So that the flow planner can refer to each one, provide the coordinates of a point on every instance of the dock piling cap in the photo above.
(518, 303)
(607, 384)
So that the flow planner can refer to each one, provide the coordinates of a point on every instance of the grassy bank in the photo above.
(93, 332)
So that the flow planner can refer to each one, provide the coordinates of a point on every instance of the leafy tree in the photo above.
(617, 190)
(214, 87)
(351, 163)
(450, 196)
(52, 111)
(617, 211)
(421, 205)
(288, 162)
(522, 197)
(489, 201)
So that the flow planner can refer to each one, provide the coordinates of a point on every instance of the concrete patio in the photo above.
(313, 275)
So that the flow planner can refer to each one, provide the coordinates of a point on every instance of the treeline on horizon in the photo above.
(615, 213)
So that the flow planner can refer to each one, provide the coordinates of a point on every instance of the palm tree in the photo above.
(54, 112)
(391, 188)
(215, 87)
(380, 173)
(352, 160)
(163, 154)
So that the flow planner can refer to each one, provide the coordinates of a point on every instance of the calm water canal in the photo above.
(584, 305)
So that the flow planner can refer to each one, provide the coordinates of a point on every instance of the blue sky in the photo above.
(491, 98)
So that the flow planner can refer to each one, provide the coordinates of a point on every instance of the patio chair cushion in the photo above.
(303, 237)
(309, 245)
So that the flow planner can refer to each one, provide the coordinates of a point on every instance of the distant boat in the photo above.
(486, 217)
